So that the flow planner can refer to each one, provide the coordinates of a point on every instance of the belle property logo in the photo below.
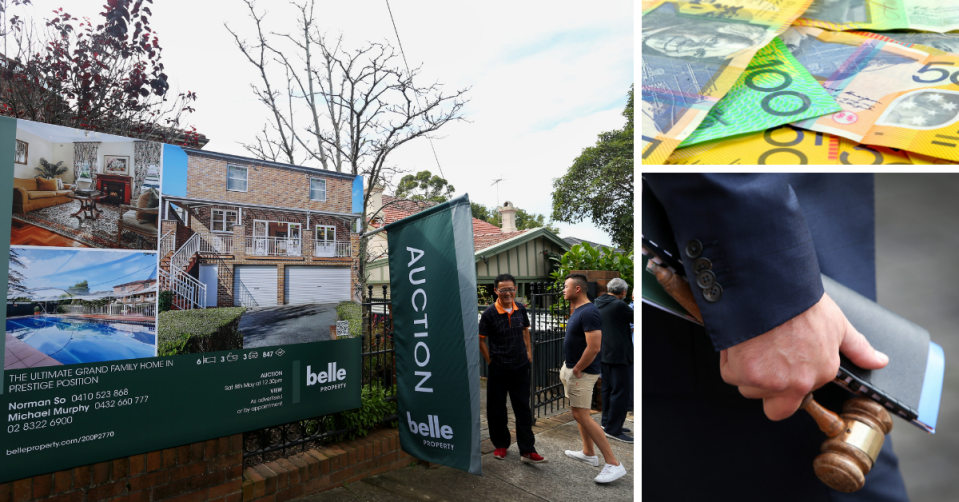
(330, 376)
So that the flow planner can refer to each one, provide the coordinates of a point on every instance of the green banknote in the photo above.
(774, 90)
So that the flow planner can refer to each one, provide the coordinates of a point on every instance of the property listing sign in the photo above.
(61, 417)
(159, 295)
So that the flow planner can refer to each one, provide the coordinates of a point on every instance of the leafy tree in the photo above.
(15, 278)
(80, 288)
(424, 186)
(106, 77)
(480, 212)
(599, 184)
(586, 257)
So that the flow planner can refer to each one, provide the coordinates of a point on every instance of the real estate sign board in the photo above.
(433, 294)
(135, 317)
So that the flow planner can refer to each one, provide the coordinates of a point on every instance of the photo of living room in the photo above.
(69, 306)
(75, 188)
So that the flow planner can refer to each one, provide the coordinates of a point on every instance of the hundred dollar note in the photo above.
(786, 145)
(891, 95)
(877, 15)
(692, 54)
(774, 90)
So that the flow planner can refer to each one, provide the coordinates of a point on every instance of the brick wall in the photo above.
(268, 185)
(212, 471)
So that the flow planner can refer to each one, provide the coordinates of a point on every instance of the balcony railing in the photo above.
(273, 246)
(332, 249)
(215, 244)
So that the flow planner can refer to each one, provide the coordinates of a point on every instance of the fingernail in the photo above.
(882, 357)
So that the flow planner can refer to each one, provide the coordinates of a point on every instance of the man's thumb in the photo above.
(859, 351)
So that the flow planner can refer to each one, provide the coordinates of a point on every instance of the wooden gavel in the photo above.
(855, 437)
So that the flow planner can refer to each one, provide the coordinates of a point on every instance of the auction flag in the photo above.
(433, 295)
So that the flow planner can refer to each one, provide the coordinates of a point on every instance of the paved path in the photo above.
(287, 324)
(560, 479)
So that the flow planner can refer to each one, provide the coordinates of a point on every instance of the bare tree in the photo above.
(357, 106)
(106, 77)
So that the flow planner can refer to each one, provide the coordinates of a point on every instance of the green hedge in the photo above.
(350, 311)
(200, 330)
(165, 300)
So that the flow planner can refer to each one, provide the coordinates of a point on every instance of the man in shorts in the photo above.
(579, 374)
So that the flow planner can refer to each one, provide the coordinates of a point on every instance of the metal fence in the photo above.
(549, 312)
(379, 370)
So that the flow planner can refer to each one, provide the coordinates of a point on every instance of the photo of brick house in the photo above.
(136, 292)
(253, 233)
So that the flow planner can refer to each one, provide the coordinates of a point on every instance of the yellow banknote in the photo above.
(692, 53)
(786, 145)
(890, 95)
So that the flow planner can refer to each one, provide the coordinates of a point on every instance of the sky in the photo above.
(545, 79)
(62, 268)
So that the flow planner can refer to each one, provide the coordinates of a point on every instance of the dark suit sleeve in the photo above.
(753, 232)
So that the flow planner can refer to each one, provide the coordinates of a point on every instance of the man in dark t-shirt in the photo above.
(579, 374)
(505, 344)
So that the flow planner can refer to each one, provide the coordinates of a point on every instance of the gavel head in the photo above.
(848, 457)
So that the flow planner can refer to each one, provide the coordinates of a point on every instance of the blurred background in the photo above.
(917, 262)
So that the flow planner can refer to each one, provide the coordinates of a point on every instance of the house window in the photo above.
(317, 189)
(223, 220)
(236, 178)
(326, 234)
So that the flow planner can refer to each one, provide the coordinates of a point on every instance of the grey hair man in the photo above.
(616, 354)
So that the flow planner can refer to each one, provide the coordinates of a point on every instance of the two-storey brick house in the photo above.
(136, 292)
(257, 233)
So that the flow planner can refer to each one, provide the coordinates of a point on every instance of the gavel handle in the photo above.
(828, 422)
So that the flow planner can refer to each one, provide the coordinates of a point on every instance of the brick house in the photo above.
(507, 249)
(251, 233)
(136, 292)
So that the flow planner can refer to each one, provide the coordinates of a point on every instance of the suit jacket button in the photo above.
(694, 249)
(713, 293)
(702, 264)
(706, 279)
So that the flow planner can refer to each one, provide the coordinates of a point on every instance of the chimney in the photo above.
(508, 217)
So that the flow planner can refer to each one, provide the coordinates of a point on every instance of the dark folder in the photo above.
(909, 386)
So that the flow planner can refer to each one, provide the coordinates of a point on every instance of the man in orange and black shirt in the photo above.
(505, 344)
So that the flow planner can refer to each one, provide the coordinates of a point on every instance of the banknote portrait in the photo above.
(922, 110)
(838, 11)
(695, 39)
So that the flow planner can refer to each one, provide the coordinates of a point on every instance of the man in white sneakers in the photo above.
(579, 373)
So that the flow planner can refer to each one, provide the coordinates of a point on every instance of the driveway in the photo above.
(287, 324)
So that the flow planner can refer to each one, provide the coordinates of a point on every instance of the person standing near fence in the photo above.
(617, 358)
(506, 346)
(580, 370)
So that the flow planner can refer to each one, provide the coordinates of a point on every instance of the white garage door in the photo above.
(254, 286)
(305, 285)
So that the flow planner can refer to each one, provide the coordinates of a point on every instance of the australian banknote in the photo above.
(890, 95)
(946, 42)
(786, 145)
(877, 15)
(774, 90)
(692, 54)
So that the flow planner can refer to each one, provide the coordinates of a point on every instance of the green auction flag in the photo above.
(433, 295)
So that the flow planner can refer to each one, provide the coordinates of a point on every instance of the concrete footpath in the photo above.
(560, 479)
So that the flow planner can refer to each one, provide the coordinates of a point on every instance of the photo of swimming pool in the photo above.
(71, 340)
